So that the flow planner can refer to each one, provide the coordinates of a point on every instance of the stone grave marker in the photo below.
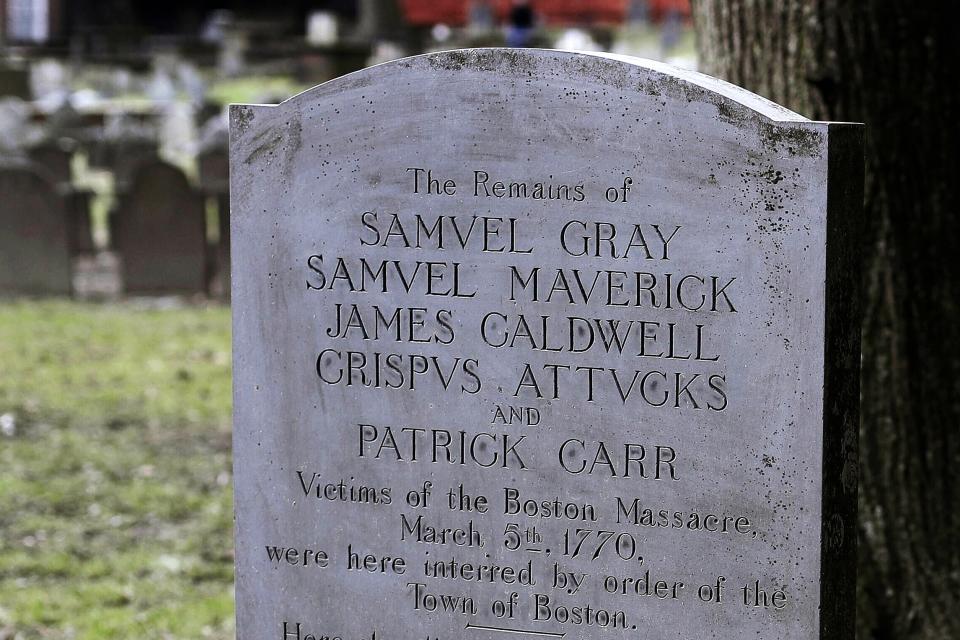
(124, 152)
(55, 157)
(543, 344)
(34, 252)
(160, 232)
(214, 173)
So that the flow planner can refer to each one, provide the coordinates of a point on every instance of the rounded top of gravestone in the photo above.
(734, 104)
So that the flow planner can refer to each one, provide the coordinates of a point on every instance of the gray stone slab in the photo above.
(160, 233)
(34, 254)
(546, 344)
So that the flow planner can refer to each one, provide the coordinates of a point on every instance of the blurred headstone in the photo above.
(121, 81)
(214, 173)
(124, 156)
(192, 82)
(177, 130)
(214, 170)
(65, 122)
(55, 157)
(231, 60)
(34, 251)
(441, 33)
(160, 232)
(214, 131)
(49, 82)
(576, 40)
(384, 52)
(322, 28)
(14, 125)
(161, 87)
(123, 144)
(215, 28)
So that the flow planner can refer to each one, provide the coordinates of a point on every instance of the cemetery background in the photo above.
(115, 488)
(115, 511)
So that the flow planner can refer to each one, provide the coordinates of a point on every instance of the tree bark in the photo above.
(886, 64)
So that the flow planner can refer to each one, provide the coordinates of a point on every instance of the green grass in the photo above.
(254, 89)
(646, 41)
(115, 503)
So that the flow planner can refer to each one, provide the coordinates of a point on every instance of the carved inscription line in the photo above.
(483, 627)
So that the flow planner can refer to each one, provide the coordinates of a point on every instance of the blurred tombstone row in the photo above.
(142, 223)
(159, 230)
(158, 226)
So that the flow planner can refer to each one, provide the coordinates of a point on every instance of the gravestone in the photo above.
(160, 232)
(122, 146)
(214, 173)
(34, 254)
(213, 170)
(55, 157)
(14, 81)
(545, 344)
(126, 157)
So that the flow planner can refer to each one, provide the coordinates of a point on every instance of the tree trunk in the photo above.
(886, 64)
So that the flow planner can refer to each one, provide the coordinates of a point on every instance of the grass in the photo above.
(115, 502)
(254, 89)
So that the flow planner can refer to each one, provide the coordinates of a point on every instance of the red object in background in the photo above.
(553, 12)
(430, 12)
(660, 8)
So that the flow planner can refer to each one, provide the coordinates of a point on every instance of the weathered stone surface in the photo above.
(34, 256)
(609, 296)
(160, 232)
